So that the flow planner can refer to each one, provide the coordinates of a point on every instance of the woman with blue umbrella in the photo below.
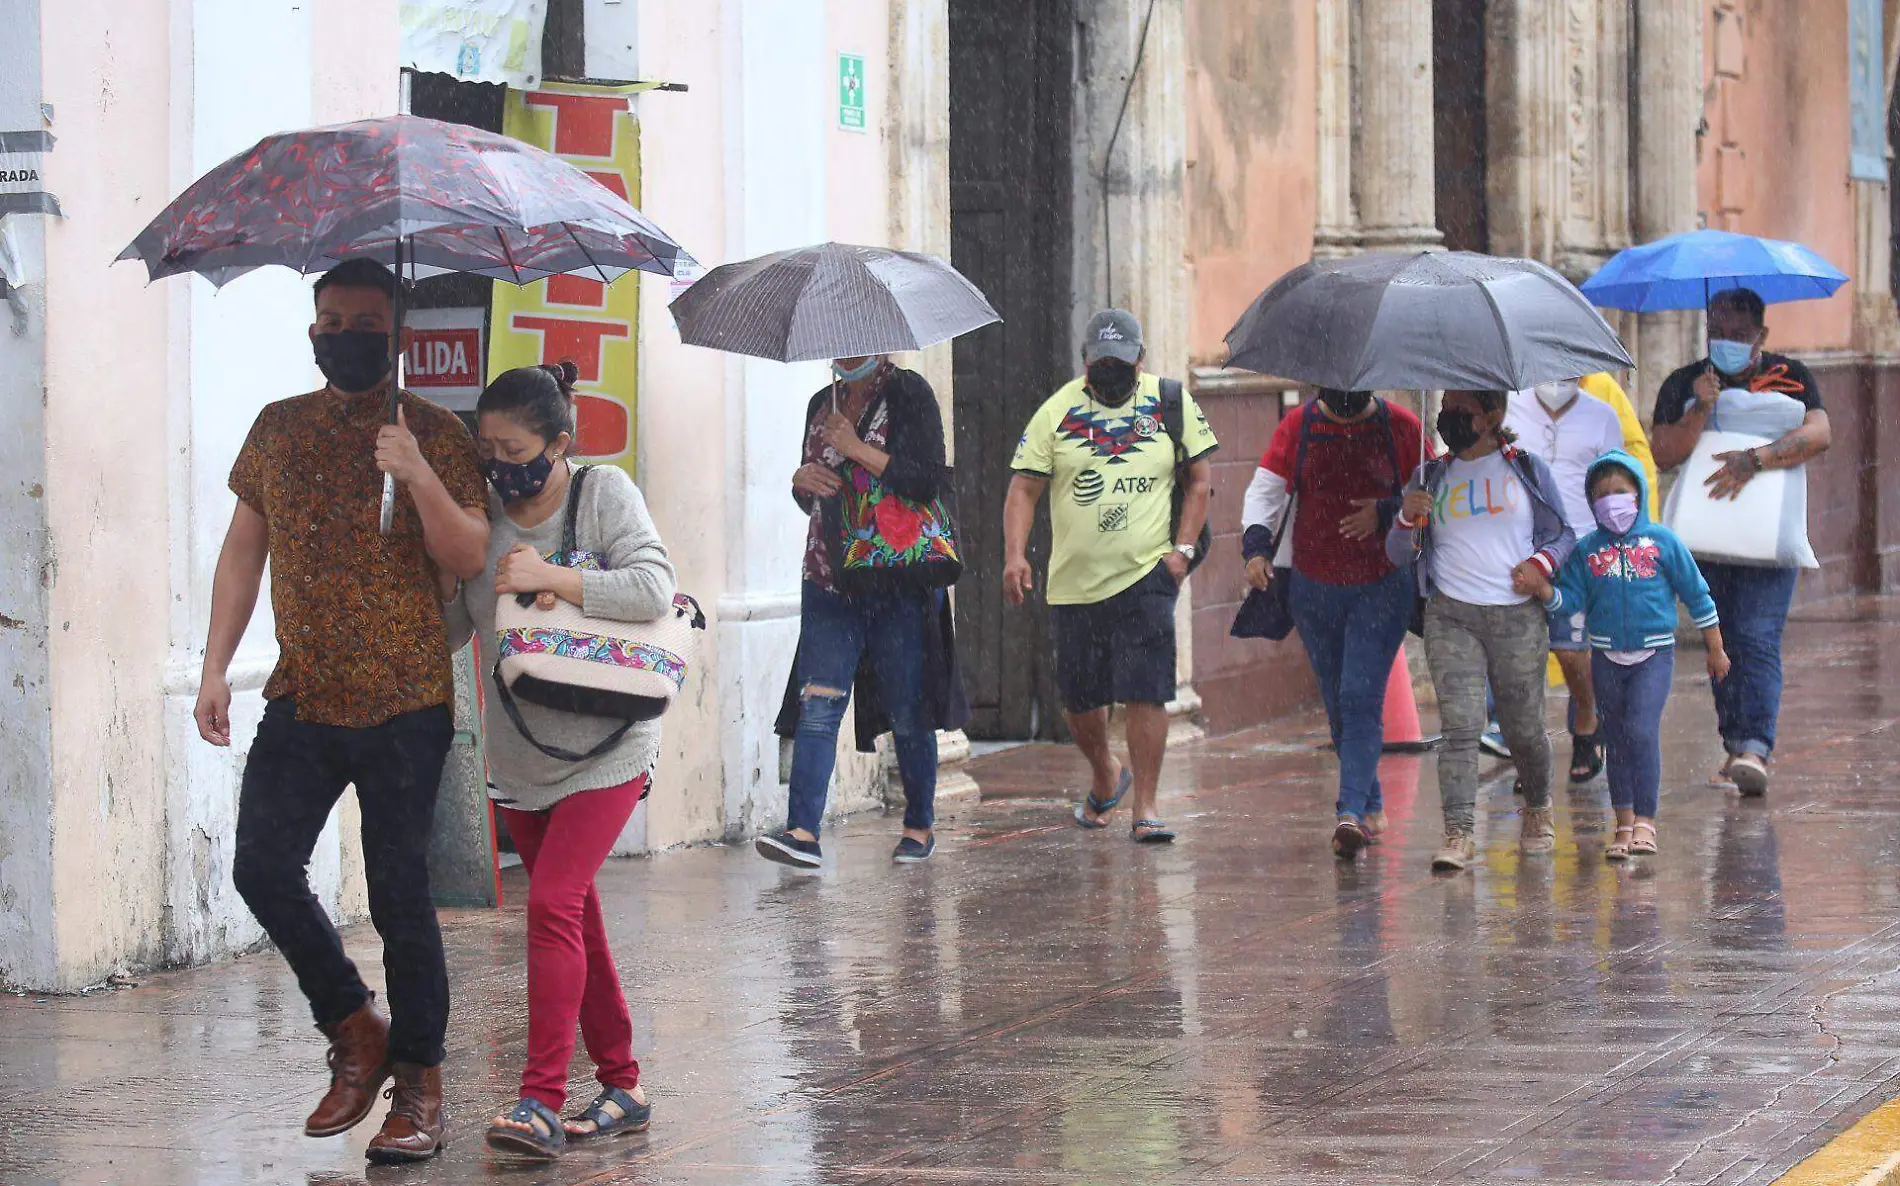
(1734, 277)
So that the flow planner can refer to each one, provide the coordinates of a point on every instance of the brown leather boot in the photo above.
(359, 1066)
(413, 1129)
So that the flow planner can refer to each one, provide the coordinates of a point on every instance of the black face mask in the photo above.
(353, 360)
(1111, 381)
(519, 481)
(1346, 405)
(1459, 430)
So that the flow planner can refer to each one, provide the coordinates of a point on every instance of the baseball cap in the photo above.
(1112, 333)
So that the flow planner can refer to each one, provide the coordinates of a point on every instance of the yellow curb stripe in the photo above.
(1867, 1154)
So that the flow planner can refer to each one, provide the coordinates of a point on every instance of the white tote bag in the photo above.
(1767, 526)
(561, 658)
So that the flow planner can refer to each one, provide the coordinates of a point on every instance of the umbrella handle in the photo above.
(389, 503)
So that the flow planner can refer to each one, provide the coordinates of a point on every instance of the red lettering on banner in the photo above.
(582, 341)
(578, 291)
(603, 427)
(444, 358)
(583, 124)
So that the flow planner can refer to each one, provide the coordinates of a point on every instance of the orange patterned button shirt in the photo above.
(359, 619)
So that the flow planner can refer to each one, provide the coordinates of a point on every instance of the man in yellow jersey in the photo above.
(1113, 446)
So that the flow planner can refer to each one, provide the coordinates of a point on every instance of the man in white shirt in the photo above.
(1570, 429)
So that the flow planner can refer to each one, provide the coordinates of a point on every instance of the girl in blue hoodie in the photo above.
(1627, 576)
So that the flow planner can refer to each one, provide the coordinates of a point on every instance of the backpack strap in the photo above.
(1174, 417)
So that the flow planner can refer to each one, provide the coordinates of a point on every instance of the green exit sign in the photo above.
(851, 92)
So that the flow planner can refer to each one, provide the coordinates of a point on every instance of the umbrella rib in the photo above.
(1504, 335)
(569, 228)
(508, 256)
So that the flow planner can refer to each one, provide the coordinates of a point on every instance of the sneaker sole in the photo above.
(1750, 782)
(1449, 866)
(910, 860)
(777, 853)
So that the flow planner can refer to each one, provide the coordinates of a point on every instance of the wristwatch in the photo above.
(1188, 550)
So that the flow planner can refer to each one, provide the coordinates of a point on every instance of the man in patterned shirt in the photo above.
(361, 694)
(1110, 449)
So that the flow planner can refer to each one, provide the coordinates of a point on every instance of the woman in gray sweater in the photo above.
(564, 816)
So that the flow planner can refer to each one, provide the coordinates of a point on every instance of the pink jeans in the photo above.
(571, 974)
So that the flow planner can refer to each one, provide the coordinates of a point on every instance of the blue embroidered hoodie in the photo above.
(1627, 584)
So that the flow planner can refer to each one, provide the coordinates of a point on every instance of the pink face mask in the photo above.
(1616, 513)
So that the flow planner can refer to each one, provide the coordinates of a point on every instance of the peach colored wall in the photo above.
(1788, 115)
(1252, 144)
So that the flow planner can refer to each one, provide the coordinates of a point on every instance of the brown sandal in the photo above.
(1640, 847)
(1619, 848)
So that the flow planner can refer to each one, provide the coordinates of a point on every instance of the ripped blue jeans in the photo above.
(835, 630)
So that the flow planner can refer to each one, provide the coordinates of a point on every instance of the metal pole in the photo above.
(395, 390)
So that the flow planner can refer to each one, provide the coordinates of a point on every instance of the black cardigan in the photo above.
(916, 471)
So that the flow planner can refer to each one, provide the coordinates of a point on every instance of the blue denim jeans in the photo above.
(1754, 605)
(1630, 703)
(835, 630)
(1352, 634)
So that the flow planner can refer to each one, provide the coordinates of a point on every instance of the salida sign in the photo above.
(445, 356)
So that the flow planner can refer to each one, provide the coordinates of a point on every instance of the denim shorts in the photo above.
(1118, 651)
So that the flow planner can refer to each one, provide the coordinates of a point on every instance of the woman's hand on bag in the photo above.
(819, 481)
(522, 570)
(841, 434)
(1259, 572)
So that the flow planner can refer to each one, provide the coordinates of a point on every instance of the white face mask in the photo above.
(1556, 395)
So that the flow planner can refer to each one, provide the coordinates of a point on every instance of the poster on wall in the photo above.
(475, 40)
(572, 317)
(444, 363)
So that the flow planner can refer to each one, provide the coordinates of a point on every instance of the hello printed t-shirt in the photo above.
(1111, 485)
(1481, 530)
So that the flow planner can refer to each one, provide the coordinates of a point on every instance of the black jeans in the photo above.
(296, 773)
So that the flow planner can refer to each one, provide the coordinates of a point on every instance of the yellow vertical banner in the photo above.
(571, 317)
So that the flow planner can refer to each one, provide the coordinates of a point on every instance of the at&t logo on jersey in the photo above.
(1088, 487)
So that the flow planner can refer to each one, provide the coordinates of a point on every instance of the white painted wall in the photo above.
(122, 855)
(27, 954)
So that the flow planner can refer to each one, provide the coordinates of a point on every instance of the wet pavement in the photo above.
(1043, 1005)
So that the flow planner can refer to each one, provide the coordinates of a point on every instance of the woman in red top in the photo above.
(1331, 481)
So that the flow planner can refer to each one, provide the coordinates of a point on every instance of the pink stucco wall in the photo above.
(1774, 160)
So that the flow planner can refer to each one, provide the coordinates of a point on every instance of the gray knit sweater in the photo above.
(636, 584)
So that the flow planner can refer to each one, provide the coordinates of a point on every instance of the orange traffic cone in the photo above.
(1403, 733)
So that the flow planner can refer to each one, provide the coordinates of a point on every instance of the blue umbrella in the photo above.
(1683, 271)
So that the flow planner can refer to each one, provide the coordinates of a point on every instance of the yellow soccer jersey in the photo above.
(1111, 485)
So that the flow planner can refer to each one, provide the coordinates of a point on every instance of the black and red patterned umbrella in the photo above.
(430, 197)
(455, 198)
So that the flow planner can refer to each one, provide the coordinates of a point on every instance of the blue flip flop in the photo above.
(1151, 831)
(1089, 802)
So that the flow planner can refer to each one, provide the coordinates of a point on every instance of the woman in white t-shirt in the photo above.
(1479, 522)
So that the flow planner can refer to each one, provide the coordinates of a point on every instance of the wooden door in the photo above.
(1011, 188)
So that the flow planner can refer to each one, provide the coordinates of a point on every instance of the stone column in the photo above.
(1393, 180)
(1336, 232)
(1668, 111)
(919, 145)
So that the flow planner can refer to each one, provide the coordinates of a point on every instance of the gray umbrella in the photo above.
(1424, 322)
(830, 301)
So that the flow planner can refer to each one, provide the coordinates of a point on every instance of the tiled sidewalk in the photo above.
(1043, 1005)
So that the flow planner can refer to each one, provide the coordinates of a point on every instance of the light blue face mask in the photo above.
(1731, 358)
(862, 371)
